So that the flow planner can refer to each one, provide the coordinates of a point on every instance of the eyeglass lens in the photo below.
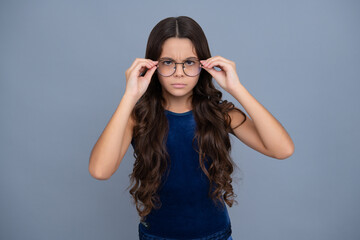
(167, 67)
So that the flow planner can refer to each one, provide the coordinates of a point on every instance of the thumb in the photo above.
(210, 70)
(150, 72)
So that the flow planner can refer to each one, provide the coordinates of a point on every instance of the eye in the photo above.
(167, 62)
(189, 62)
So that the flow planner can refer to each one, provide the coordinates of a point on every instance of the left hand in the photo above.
(227, 78)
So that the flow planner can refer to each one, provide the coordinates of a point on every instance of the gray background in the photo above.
(62, 71)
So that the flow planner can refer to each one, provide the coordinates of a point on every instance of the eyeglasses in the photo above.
(190, 67)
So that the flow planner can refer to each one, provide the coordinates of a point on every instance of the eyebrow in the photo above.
(163, 58)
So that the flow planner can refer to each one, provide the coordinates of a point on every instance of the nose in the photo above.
(179, 70)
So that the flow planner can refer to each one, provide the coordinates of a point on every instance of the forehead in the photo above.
(178, 49)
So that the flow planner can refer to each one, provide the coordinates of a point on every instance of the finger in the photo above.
(143, 62)
(141, 66)
(150, 72)
(216, 58)
(218, 63)
(135, 63)
(208, 63)
(223, 59)
(210, 70)
(219, 58)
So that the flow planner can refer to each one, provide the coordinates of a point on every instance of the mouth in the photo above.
(178, 85)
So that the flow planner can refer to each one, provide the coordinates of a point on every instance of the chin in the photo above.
(179, 92)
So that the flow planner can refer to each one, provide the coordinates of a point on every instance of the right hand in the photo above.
(136, 85)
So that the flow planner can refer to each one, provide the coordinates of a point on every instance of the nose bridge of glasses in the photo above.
(180, 68)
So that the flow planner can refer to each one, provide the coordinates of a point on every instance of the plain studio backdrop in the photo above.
(62, 72)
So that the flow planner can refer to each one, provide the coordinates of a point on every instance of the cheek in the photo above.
(195, 82)
(161, 80)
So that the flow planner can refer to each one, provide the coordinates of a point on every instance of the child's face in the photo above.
(178, 49)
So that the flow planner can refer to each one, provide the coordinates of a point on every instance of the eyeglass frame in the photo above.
(183, 67)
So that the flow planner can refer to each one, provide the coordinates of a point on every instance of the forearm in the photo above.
(106, 151)
(272, 133)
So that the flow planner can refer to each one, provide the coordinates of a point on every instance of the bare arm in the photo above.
(105, 154)
(114, 141)
(263, 132)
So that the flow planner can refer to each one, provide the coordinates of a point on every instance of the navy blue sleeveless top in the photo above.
(187, 212)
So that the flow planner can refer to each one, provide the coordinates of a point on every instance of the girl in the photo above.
(179, 128)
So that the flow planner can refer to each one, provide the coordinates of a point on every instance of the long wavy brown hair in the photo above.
(151, 125)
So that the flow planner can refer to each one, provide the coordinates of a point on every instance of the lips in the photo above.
(178, 85)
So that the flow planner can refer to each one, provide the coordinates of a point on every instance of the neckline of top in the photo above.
(179, 114)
